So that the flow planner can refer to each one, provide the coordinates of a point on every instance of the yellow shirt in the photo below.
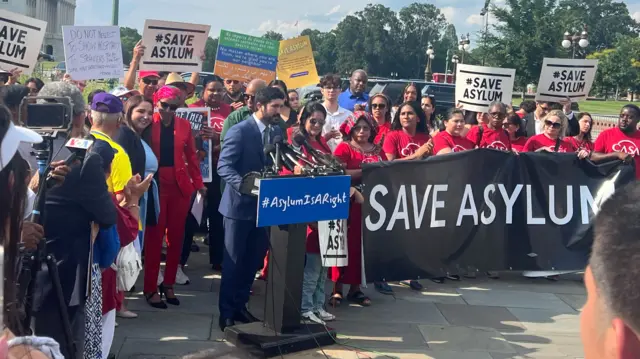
(121, 171)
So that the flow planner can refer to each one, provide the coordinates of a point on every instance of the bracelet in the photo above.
(132, 206)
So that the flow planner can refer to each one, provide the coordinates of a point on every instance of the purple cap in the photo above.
(106, 102)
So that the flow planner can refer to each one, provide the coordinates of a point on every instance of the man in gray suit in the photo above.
(533, 120)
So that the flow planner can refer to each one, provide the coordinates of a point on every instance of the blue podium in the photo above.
(287, 205)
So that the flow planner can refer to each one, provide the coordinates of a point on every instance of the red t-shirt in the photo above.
(456, 143)
(495, 139)
(581, 145)
(401, 145)
(216, 120)
(614, 140)
(383, 130)
(353, 157)
(540, 141)
(518, 144)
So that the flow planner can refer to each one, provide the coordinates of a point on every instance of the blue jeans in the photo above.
(315, 275)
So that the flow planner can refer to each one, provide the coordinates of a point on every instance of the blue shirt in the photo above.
(348, 101)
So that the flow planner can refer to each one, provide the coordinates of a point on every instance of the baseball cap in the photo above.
(143, 74)
(106, 102)
(11, 141)
(121, 91)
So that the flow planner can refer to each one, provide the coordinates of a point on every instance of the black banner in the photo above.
(482, 209)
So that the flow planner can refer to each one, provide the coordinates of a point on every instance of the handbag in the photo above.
(128, 265)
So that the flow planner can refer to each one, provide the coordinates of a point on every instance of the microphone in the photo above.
(278, 157)
(315, 154)
(277, 140)
(269, 150)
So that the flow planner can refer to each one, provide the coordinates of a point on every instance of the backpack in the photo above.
(128, 265)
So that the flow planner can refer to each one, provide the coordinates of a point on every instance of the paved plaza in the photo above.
(509, 318)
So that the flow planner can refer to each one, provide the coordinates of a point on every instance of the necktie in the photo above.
(265, 135)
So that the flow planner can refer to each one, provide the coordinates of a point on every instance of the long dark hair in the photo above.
(411, 84)
(129, 107)
(386, 99)
(13, 191)
(587, 136)
(432, 119)
(306, 114)
(421, 126)
(281, 85)
(514, 119)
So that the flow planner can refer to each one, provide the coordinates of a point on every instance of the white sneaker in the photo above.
(324, 315)
(160, 277)
(181, 278)
(312, 317)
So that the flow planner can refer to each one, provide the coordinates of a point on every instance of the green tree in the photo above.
(129, 38)
(619, 67)
(421, 25)
(273, 35)
(323, 45)
(210, 51)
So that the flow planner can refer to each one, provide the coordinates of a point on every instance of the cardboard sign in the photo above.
(197, 116)
(478, 86)
(333, 243)
(244, 58)
(92, 52)
(296, 66)
(173, 46)
(20, 41)
(562, 78)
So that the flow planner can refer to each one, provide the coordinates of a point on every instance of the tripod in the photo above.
(32, 260)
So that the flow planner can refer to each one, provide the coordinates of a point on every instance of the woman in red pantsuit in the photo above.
(173, 144)
(359, 133)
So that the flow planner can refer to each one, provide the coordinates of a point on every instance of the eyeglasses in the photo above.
(229, 82)
(555, 125)
(248, 97)
(148, 81)
(315, 122)
(498, 115)
(380, 106)
(169, 106)
(329, 88)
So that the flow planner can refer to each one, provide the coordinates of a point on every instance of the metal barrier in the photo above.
(601, 123)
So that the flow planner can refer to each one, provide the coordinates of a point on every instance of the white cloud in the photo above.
(475, 19)
(285, 28)
(449, 13)
(334, 10)
(636, 16)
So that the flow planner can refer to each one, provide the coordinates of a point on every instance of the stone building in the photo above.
(56, 13)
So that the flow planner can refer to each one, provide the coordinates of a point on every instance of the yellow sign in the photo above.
(296, 66)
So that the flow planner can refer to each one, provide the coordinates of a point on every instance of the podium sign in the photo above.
(291, 200)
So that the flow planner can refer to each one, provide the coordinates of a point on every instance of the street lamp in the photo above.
(394, 75)
(430, 56)
(464, 45)
(576, 40)
(455, 61)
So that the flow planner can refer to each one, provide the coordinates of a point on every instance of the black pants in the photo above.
(47, 323)
(216, 230)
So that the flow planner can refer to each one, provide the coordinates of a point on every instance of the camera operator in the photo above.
(70, 208)
(14, 172)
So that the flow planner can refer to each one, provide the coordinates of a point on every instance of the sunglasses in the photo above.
(248, 97)
(229, 82)
(498, 115)
(148, 81)
(169, 106)
(315, 122)
(555, 125)
(380, 106)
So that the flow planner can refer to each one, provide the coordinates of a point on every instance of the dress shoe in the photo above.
(223, 323)
(244, 316)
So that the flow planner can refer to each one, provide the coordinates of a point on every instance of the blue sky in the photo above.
(258, 16)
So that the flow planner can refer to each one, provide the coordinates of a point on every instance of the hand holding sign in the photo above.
(138, 51)
(566, 78)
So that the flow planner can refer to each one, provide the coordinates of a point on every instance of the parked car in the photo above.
(445, 94)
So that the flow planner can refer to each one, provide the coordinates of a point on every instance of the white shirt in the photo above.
(261, 125)
(537, 123)
(333, 122)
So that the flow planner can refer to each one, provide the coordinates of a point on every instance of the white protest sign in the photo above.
(562, 78)
(173, 46)
(478, 86)
(92, 52)
(333, 243)
(20, 41)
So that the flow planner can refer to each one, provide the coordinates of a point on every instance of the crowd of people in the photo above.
(137, 183)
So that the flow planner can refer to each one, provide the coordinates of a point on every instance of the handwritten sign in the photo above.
(244, 58)
(332, 237)
(20, 41)
(562, 78)
(92, 52)
(479, 86)
(296, 66)
(197, 116)
(173, 46)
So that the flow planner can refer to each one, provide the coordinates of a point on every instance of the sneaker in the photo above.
(324, 315)
(181, 278)
(413, 284)
(310, 316)
(127, 314)
(160, 277)
(383, 287)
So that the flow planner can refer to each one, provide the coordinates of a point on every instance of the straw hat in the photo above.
(176, 80)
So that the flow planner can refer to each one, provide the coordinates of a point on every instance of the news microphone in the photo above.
(277, 140)
(297, 157)
(269, 150)
(315, 154)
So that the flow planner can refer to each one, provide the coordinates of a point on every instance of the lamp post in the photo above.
(115, 11)
(394, 75)
(430, 56)
(464, 45)
(573, 41)
(455, 61)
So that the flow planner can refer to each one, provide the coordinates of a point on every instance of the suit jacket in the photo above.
(573, 128)
(530, 124)
(69, 211)
(185, 161)
(243, 152)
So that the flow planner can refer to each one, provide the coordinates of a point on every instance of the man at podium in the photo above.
(245, 244)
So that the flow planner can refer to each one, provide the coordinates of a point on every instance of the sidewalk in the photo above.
(509, 318)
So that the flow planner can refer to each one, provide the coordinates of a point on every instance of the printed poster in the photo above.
(173, 46)
(479, 86)
(20, 41)
(197, 116)
(333, 243)
(562, 78)
(93, 52)
(296, 65)
(244, 58)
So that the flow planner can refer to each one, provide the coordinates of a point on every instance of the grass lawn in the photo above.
(603, 107)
